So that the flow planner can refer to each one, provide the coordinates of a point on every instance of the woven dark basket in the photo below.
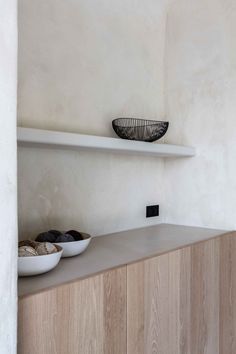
(139, 129)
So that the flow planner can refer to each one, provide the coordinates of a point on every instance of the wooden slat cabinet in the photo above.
(158, 304)
(227, 327)
(182, 302)
(84, 317)
(177, 297)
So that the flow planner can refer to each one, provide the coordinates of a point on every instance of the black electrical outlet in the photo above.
(152, 210)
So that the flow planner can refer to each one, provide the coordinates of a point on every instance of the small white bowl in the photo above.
(74, 248)
(34, 265)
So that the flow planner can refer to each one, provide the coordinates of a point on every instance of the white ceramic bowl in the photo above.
(74, 248)
(34, 265)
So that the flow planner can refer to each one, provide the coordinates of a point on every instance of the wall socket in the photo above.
(152, 210)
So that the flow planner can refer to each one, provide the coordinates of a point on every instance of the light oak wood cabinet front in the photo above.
(182, 302)
(173, 302)
(84, 317)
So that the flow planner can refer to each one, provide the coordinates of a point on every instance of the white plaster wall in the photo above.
(201, 105)
(8, 255)
(93, 191)
(84, 62)
(81, 64)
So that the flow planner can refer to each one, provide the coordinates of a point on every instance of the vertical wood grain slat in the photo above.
(135, 308)
(158, 304)
(115, 311)
(205, 297)
(85, 317)
(179, 302)
(228, 294)
(79, 320)
(67, 319)
(35, 326)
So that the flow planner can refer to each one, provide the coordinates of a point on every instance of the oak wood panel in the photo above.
(84, 317)
(34, 324)
(228, 294)
(135, 308)
(115, 311)
(177, 297)
(157, 319)
(155, 305)
(179, 283)
(205, 298)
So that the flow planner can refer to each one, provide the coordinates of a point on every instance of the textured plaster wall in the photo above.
(8, 224)
(201, 105)
(81, 64)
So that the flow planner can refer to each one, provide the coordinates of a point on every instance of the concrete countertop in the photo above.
(113, 250)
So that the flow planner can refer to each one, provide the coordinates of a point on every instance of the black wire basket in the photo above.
(139, 129)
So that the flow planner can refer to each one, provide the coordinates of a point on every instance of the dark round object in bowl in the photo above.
(46, 237)
(56, 233)
(139, 129)
(76, 234)
(64, 238)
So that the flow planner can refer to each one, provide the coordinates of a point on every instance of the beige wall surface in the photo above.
(201, 106)
(81, 64)
(8, 219)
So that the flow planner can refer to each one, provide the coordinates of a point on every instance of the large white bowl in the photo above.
(34, 265)
(74, 248)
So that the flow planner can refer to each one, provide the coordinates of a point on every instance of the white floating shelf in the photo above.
(47, 138)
